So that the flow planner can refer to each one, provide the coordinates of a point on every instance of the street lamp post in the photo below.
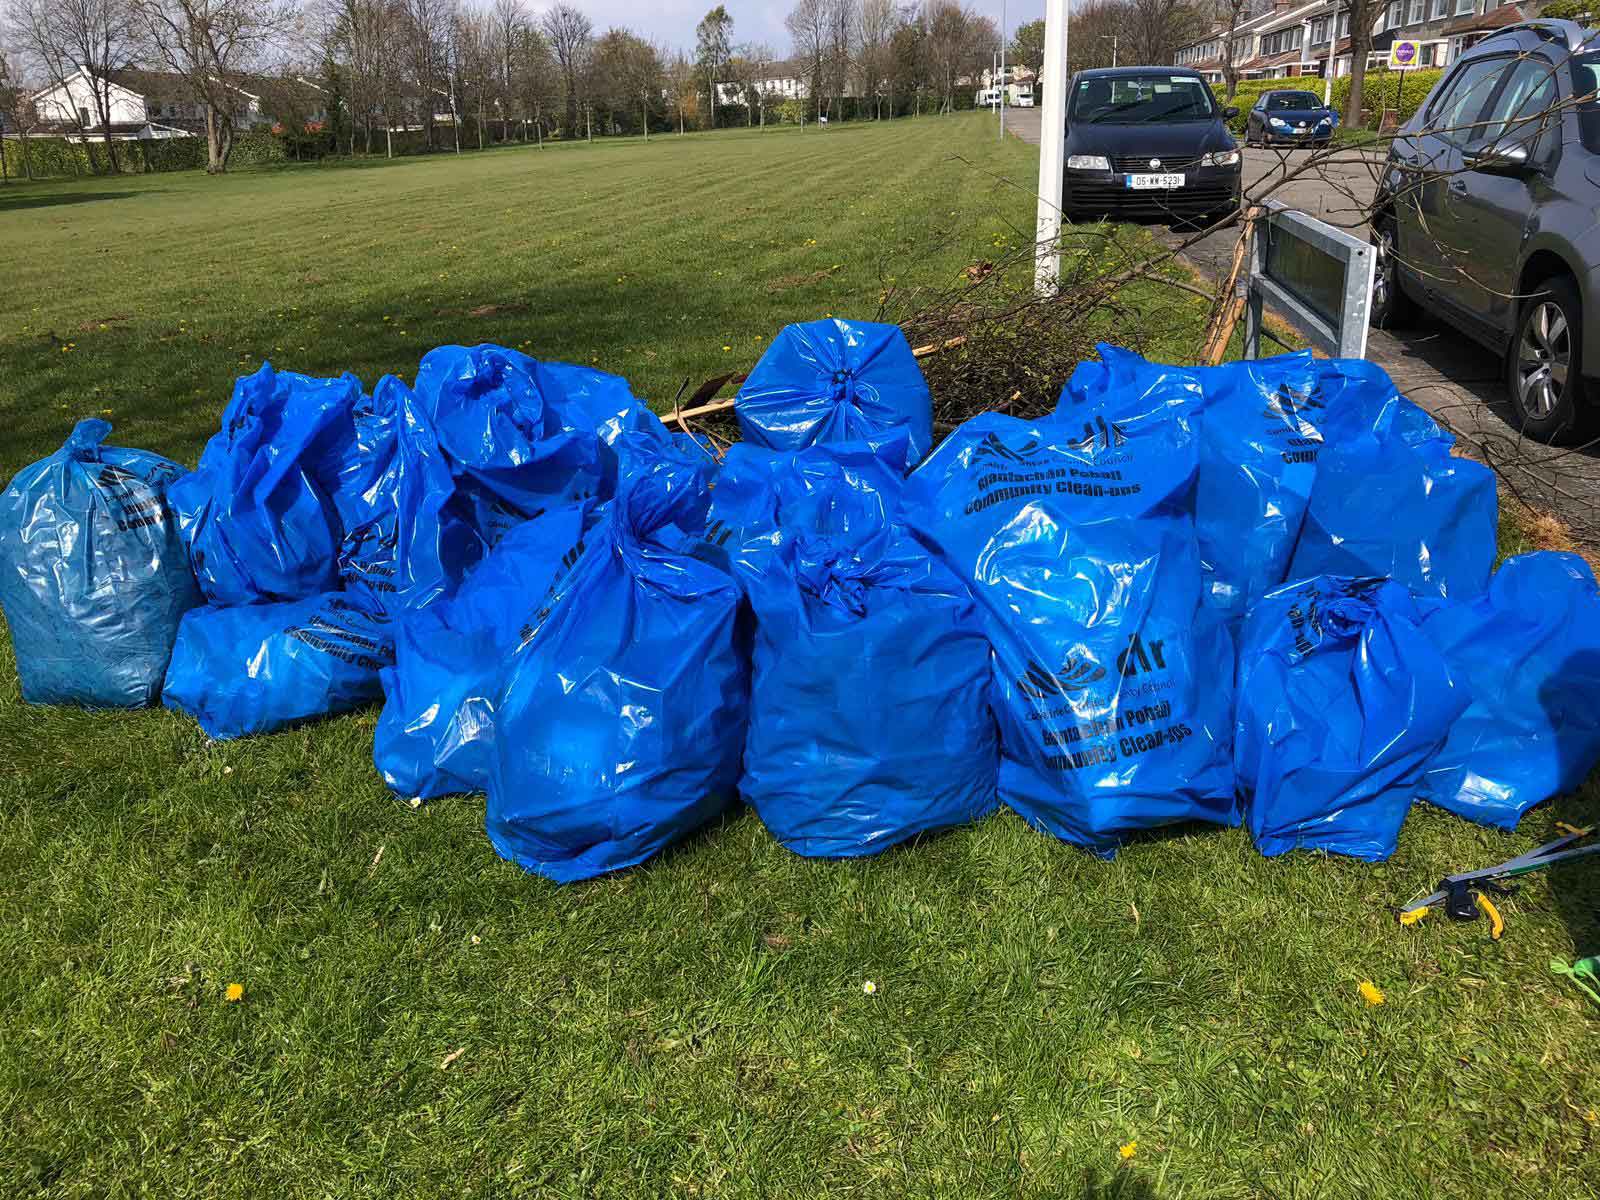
(1112, 38)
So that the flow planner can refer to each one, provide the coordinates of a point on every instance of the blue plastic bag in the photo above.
(1112, 676)
(1342, 703)
(255, 668)
(1262, 424)
(408, 543)
(836, 381)
(94, 575)
(869, 710)
(523, 436)
(1528, 653)
(433, 737)
(622, 718)
(1390, 500)
(258, 512)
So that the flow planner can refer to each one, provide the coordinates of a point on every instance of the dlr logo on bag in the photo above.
(1140, 657)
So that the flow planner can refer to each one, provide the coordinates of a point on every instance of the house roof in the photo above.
(1495, 18)
(1266, 62)
(1288, 17)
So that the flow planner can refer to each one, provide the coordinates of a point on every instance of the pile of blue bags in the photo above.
(1260, 594)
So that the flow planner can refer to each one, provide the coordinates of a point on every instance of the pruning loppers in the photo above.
(1463, 895)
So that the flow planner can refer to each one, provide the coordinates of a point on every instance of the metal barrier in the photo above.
(1315, 276)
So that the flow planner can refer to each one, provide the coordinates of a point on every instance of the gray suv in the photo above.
(1486, 216)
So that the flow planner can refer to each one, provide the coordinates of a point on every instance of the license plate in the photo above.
(1299, 128)
(1143, 182)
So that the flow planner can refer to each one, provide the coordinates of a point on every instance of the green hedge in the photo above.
(1381, 91)
(49, 157)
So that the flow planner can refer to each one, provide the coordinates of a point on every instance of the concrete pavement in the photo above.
(1451, 376)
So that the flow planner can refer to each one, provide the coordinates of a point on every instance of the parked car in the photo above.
(1485, 216)
(1292, 118)
(1148, 143)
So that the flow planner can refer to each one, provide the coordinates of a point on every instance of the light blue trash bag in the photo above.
(833, 381)
(1342, 705)
(620, 725)
(94, 575)
(869, 715)
(1528, 653)
(1112, 681)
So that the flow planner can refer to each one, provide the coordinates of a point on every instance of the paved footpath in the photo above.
(1448, 374)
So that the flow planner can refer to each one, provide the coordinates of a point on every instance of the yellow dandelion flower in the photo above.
(1128, 1151)
(1371, 993)
(234, 994)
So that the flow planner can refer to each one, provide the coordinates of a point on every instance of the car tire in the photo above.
(1544, 366)
(1391, 307)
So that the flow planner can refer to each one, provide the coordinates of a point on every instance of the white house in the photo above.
(144, 104)
(70, 109)
(780, 85)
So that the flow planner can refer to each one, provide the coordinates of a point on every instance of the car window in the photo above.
(1455, 114)
(1141, 99)
(1523, 107)
(1585, 85)
(1282, 101)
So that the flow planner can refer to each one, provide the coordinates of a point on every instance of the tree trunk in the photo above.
(219, 141)
(1360, 45)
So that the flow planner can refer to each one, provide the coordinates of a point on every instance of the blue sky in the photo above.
(672, 22)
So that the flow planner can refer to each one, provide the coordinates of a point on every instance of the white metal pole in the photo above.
(1052, 144)
(1004, 90)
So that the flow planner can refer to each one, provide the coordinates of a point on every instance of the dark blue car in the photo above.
(1290, 118)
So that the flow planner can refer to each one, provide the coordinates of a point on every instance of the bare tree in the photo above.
(18, 114)
(807, 23)
(571, 38)
(1362, 15)
(843, 19)
(1230, 15)
(877, 23)
(353, 34)
(212, 45)
(712, 49)
(88, 39)
(683, 85)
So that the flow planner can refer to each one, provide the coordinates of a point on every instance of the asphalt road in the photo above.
(1451, 376)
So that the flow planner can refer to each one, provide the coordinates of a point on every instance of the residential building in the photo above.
(783, 81)
(158, 104)
(1301, 40)
(71, 109)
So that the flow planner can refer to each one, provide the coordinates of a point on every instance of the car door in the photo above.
(1498, 213)
(1430, 242)
(1256, 123)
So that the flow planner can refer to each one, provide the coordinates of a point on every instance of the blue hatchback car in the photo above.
(1290, 118)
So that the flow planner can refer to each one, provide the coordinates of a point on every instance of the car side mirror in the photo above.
(1230, 112)
(1511, 158)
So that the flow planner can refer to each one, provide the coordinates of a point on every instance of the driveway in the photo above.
(1451, 376)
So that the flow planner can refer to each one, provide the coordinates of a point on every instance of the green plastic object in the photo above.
(1585, 973)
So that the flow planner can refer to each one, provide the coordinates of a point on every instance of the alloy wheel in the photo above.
(1544, 353)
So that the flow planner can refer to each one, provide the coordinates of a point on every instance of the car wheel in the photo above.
(1391, 308)
(1544, 367)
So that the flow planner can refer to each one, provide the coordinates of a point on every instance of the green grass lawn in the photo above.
(698, 1026)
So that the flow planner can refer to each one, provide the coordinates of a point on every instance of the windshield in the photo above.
(1292, 101)
(1141, 99)
(1585, 83)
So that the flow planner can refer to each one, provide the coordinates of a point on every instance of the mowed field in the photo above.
(422, 1019)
